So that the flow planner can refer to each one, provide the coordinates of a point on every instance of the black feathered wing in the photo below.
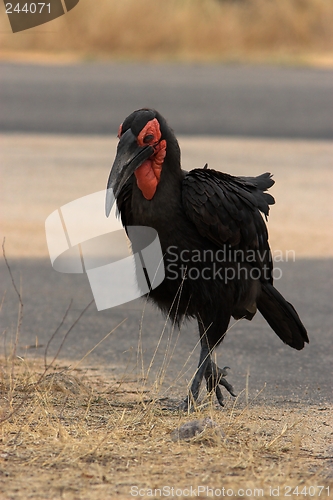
(226, 210)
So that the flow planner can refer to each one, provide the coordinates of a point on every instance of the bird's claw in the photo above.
(214, 378)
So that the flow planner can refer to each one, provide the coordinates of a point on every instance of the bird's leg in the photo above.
(214, 378)
(214, 375)
(202, 367)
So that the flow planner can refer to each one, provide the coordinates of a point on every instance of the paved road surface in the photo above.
(261, 101)
(249, 346)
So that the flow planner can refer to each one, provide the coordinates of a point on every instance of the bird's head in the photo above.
(144, 137)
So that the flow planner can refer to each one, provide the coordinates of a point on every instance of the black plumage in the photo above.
(213, 236)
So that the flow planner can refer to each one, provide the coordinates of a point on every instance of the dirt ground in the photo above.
(73, 434)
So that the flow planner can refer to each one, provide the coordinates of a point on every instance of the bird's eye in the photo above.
(148, 138)
(150, 134)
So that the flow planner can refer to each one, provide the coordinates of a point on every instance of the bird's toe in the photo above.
(215, 377)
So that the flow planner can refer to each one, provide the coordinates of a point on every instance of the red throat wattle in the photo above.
(149, 173)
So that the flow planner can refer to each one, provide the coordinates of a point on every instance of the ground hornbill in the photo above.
(213, 237)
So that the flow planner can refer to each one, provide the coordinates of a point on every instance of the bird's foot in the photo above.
(215, 377)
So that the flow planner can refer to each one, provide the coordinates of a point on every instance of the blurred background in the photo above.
(184, 30)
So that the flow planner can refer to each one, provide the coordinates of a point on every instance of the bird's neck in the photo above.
(166, 202)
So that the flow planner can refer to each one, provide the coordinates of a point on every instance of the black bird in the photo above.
(213, 236)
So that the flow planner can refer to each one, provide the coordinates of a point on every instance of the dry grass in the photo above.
(185, 30)
(73, 433)
(85, 437)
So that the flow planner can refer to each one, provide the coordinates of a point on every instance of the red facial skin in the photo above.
(149, 173)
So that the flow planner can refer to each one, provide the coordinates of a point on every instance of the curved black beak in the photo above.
(129, 157)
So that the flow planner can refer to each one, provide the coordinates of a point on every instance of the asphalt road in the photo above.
(249, 348)
(260, 101)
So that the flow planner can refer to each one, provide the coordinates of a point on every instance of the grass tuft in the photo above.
(91, 437)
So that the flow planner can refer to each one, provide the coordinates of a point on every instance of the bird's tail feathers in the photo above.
(282, 317)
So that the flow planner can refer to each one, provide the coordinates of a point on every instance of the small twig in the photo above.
(247, 386)
(4, 419)
(286, 428)
(19, 320)
(4, 333)
(10, 272)
(2, 300)
(246, 407)
(99, 343)
(56, 331)
(67, 333)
